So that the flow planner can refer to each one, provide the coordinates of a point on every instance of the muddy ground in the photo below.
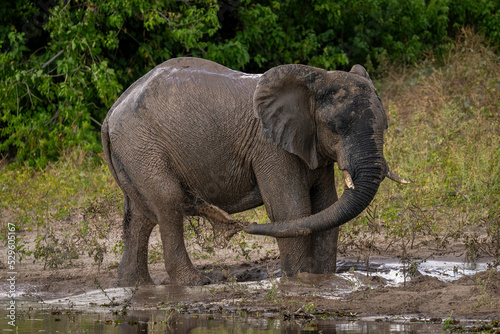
(475, 296)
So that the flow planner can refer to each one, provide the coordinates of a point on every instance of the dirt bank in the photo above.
(252, 284)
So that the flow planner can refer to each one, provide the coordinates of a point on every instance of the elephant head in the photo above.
(325, 116)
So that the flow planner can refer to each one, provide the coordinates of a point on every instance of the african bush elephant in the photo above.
(192, 137)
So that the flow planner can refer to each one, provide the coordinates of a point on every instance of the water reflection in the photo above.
(174, 322)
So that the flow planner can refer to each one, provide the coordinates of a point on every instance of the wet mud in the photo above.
(254, 295)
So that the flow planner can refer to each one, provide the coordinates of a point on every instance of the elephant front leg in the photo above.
(324, 252)
(133, 267)
(324, 244)
(286, 197)
(294, 255)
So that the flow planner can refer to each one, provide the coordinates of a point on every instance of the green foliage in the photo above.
(451, 141)
(64, 63)
(332, 34)
(54, 97)
(20, 249)
(155, 253)
(483, 14)
(54, 251)
(452, 325)
(449, 323)
(309, 308)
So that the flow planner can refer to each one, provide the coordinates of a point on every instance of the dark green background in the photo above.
(63, 63)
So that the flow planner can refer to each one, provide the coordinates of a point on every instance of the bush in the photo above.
(54, 97)
(63, 63)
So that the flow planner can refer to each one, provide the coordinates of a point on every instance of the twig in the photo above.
(163, 15)
(91, 55)
(47, 63)
(58, 75)
(28, 92)
(56, 114)
(95, 121)
(52, 59)
(112, 302)
(118, 32)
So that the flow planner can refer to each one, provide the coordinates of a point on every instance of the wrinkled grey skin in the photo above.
(192, 132)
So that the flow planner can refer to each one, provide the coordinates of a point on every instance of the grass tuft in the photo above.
(32, 197)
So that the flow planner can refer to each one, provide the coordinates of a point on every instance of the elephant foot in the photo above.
(128, 277)
(193, 278)
(134, 281)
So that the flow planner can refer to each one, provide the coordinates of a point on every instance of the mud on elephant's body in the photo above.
(192, 134)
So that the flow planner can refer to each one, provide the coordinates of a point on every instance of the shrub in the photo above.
(63, 63)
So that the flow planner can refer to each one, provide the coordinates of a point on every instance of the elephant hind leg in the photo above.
(177, 262)
(137, 228)
(155, 196)
(166, 200)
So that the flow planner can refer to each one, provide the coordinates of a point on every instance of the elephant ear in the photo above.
(360, 70)
(284, 102)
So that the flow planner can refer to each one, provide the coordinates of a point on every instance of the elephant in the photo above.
(194, 138)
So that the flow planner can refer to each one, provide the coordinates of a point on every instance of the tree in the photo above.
(63, 63)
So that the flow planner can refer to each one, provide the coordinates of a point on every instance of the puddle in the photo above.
(144, 297)
(449, 270)
(393, 272)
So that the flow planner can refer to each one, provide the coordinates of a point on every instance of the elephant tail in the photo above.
(129, 191)
(106, 148)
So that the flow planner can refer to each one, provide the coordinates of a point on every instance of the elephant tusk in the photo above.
(396, 178)
(348, 180)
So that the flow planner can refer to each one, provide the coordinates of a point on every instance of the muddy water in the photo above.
(173, 322)
(393, 272)
(101, 311)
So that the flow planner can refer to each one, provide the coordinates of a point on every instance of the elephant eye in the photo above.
(340, 125)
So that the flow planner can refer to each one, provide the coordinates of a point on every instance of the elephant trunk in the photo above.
(356, 197)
